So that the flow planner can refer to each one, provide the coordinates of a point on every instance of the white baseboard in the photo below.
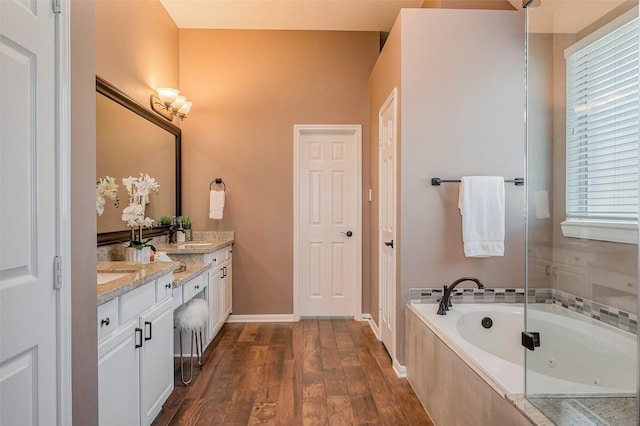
(372, 324)
(400, 370)
(261, 318)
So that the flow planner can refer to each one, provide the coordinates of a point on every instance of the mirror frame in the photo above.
(118, 96)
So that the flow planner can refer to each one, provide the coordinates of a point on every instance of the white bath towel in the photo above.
(481, 204)
(216, 204)
(541, 204)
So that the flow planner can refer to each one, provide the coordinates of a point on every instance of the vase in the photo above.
(132, 254)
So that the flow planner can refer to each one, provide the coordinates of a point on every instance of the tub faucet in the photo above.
(445, 302)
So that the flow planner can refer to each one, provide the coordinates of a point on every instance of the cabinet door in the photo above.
(215, 304)
(156, 359)
(119, 377)
(227, 288)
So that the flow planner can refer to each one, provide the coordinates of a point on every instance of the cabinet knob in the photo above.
(168, 285)
(105, 322)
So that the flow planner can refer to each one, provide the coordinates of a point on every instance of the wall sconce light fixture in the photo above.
(169, 103)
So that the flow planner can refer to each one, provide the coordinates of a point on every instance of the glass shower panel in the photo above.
(582, 207)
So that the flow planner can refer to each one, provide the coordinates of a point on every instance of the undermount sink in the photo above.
(105, 277)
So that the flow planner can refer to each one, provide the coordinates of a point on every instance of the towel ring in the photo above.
(218, 181)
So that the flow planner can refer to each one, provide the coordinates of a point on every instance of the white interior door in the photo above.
(387, 222)
(327, 254)
(28, 214)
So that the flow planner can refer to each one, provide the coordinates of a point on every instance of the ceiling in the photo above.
(552, 16)
(336, 15)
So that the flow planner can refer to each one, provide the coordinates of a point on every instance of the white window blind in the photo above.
(602, 127)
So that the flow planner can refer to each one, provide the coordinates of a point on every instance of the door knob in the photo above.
(348, 233)
(389, 243)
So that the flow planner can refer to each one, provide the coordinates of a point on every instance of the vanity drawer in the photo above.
(136, 301)
(164, 286)
(215, 258)
(193, 287)
(107, 318)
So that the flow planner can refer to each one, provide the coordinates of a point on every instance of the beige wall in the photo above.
(136, 47)
(83, 230)
(249, 88)
(462, 108)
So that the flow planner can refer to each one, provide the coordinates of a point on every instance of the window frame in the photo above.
(612, 230)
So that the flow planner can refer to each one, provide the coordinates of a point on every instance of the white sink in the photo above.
(105, 277)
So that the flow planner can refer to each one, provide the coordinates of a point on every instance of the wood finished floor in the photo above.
(312, 372)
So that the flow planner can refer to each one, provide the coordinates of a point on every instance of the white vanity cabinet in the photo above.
(227, 290)
(135, 360)
(220, 288)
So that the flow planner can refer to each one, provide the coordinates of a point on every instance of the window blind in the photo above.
(602, 127)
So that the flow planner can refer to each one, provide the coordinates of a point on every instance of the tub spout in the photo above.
(445, 302)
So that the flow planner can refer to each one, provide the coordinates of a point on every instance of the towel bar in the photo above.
(436, 181)
(218, 181)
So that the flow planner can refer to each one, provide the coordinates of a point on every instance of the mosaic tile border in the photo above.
(609, 315)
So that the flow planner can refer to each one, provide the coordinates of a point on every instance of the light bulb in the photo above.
(167, 95)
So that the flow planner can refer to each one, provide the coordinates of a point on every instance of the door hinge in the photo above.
(57, 272)
(56, 6)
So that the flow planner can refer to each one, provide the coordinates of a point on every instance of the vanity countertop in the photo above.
(137, 274)
(193, 269)
(194, 247)
(140, 274)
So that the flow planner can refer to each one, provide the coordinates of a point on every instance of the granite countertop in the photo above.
(137, 274)
(193, 269)
(194, 247)
(140, 274)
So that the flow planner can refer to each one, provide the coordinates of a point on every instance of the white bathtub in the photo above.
(577, 355)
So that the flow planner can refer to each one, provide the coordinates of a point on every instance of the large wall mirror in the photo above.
(131, 139)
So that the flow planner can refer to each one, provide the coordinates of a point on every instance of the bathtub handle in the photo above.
(530, 339)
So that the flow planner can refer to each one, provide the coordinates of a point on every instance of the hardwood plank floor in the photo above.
(313, 372)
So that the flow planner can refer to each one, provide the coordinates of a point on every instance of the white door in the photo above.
(327, 255)
(28, 216)
(387, 222)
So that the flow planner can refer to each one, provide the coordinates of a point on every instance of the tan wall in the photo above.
(136, 47)
(249, 88)
(83, 232)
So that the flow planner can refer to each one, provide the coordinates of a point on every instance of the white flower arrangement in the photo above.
(139, 189)
(106, 187)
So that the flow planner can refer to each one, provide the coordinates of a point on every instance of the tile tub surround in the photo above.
(143, 273)
(615, 317)
(451, 392)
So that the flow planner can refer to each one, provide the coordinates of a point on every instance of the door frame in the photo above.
(390, 102)
(298, 131)
(63, 210)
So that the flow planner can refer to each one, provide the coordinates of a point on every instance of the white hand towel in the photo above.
(216, 204)
(481, 204)
(541, 204)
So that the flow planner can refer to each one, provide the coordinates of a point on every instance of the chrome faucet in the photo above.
(445, 302)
